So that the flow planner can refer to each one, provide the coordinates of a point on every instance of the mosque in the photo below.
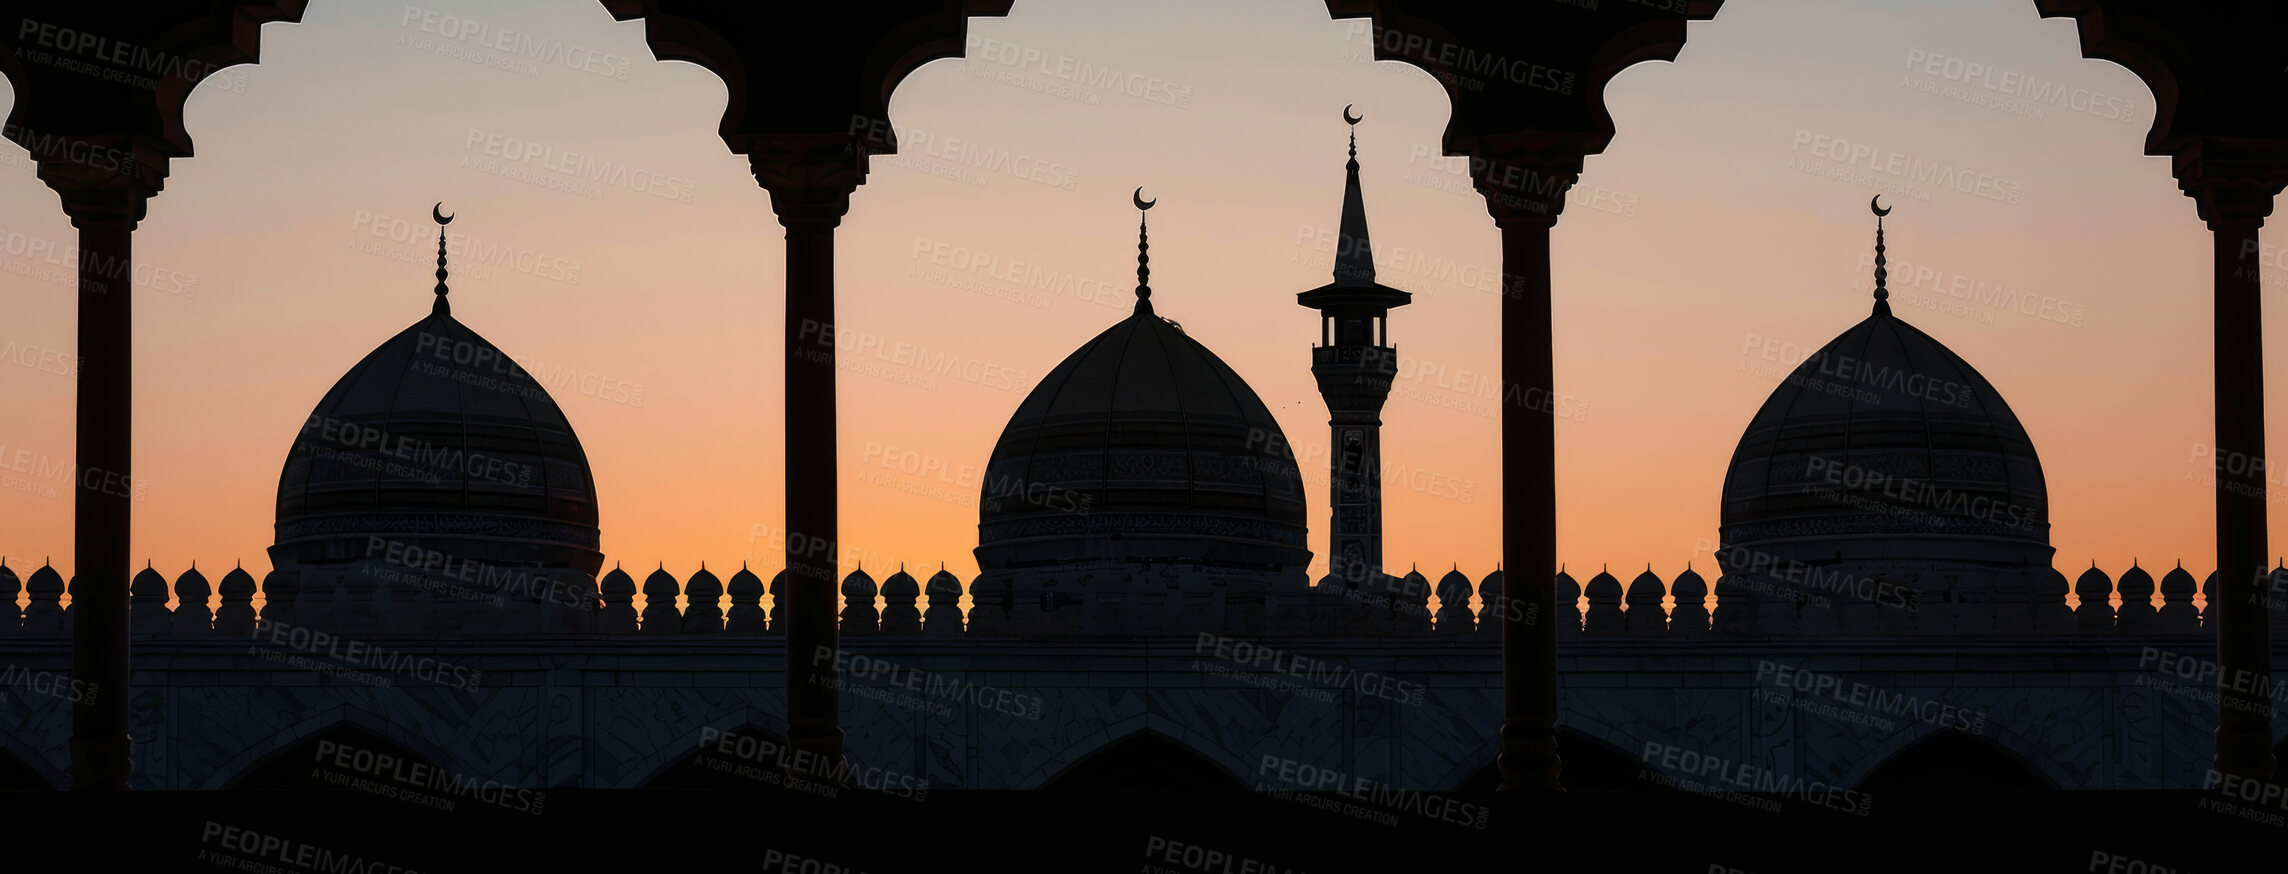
(1142, 617)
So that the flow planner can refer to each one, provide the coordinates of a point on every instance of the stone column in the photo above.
(1524, 192)
(2235, 208)
(104, 183)
(810, 180)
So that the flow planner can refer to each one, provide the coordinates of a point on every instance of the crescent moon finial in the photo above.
(1141, 203)
(1875, 204)
(1348, 117)
(438, 212)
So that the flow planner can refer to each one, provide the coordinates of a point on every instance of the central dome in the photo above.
(1886, 446)
(437, 439)
(1142, 446)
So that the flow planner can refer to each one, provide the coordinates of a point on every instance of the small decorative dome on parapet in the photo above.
(859, 585)
(1603, 588)
(236, 584)
(944, 584)
(617, 582)
(2177, 582)
(901, 586)
(1454, 586)
(9, 585)
(2093, 583)
(1689, 586)
(1416, 582)
(745, 584)
(44, 581)
(778, 587)
(193, 585)
(2135, 584)
(148, 585)
(1568, 589)
(1646, 588)
(702, 586)
(660, 584)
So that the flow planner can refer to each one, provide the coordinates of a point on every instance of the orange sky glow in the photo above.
(608, 240)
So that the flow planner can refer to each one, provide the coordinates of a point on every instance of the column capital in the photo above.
(2233, 183)
(103, 180)
(810, 176)
(1524, 177)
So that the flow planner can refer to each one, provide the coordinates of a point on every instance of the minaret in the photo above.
(1354, 363)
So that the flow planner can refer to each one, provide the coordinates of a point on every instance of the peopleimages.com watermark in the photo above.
(1955, 293)
(113, 60)
(960, 159)
(1460, 64)
(468, 251)
(1252, 656)
(38, 473)
(250, 850)
(1067, 77)
(49, 683)
(371, 661)
(478, 42)
(865, 344)
(1727, 780)
(1857, 375)
(525, 160)
(1511, 184)
(2007, 91)
(1893, 171)
(466, 578)
(1813, 689)
(1360, 797)
(1181, 857)
(1772, 574)
(1911, 498)
(965, 483)
(776, 764)
(64, 263)
(1027, 283)
(868, 676)
(375, 772)
(365, 445)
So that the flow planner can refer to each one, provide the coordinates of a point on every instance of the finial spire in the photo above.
(1354, 256)
(1882, 295)
(1143, 260)
(438, 212)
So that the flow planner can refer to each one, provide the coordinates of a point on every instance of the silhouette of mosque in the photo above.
(1886, 616)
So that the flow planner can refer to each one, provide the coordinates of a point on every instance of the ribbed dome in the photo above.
(1886, 445)
(437, 437)
(1142, 445)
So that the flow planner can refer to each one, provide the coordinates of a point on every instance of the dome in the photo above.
(1142, 446)
(438, 440)
(1885, 446)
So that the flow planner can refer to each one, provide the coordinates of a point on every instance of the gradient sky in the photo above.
(1697, 237)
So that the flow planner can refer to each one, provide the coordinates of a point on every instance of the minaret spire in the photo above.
(437, 212)
(1354, 258)
(1143, 260)
(1882, 295)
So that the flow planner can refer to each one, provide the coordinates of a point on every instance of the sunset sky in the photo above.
(1714, 243)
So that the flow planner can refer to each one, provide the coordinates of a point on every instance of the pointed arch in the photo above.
(1587, 763)
(22, 770)
(1216, 759)
(1146, 761)
(667, 762)
(272, 763)
(1949, 760)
